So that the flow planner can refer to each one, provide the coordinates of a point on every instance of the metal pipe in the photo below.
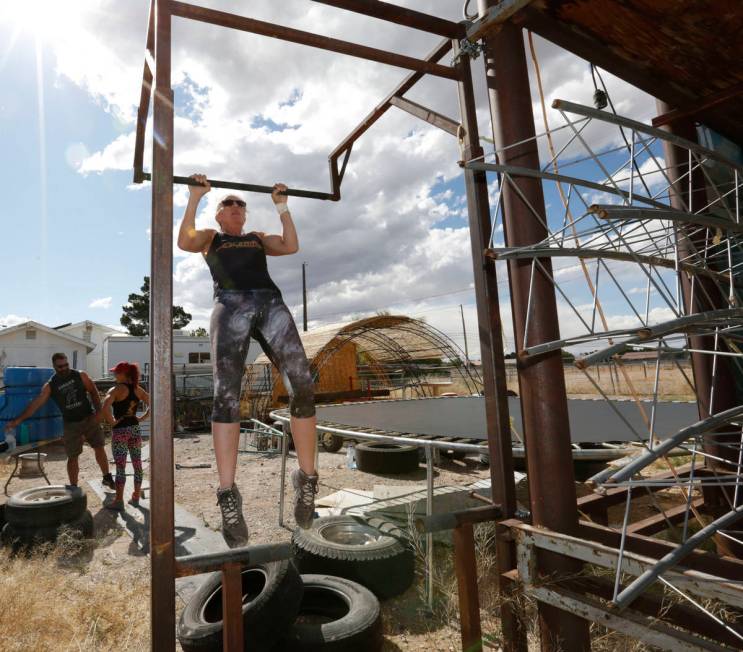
(162, 517)
(429, 535)
(541, 381)
(247, 187)
(400, 16)
(284, 452)
(639, 585)
(242, 23)
(664, 447)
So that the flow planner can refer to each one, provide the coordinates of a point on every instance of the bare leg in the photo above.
(102, 458)
(226, 437)
(305, 442)
(73, 470)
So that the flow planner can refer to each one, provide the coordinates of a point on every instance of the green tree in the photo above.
(200, 332)
(136, 317)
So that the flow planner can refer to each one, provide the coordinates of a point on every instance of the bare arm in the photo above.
(145, 398)
(34, 405)
(189, 237)
(92, 390)
(116, 393)
(288, 242)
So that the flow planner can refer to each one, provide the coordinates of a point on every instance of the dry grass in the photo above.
(58, 605)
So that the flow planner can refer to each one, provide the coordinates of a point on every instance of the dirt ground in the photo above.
(113, 571)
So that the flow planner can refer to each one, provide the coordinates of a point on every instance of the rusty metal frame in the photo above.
(156, 83)
(428, 65)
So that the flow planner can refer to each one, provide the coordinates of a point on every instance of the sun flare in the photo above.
(46, 19)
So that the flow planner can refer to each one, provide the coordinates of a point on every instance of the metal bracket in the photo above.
(472, 49)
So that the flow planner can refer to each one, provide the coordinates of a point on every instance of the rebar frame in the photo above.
(386, 340)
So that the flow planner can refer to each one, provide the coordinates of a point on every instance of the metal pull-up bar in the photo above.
(247, 187)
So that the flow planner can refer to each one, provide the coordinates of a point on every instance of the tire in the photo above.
(380, 457)
(331, 443)
(336, 615)
(45, 506)
(373, 552)
(273, 592)
(25, 537)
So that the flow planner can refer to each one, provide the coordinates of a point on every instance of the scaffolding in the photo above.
(682, 237)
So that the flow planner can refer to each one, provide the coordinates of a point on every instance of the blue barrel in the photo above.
(22, 385)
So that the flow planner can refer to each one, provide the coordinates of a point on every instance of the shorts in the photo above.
(75, 431)
(239, 315)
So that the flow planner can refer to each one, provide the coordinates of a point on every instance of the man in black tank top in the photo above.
(79, 401)
(248, 304)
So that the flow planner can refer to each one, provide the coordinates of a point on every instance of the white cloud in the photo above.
(6, 321)
(103, 302)
(378, 245)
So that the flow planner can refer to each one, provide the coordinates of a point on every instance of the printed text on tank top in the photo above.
(238, 262)
(70, 395)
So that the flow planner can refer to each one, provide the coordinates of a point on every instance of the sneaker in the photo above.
(305, 488)
(134, 502)
(108, 481)
(234, 529)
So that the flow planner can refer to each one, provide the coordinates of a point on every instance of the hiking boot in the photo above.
(108, 481)
(234, 529)
(305, 488)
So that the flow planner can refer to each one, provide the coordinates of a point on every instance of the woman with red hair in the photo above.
(120, 410)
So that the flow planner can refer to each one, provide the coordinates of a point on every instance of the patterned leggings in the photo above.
(239, 315)
(123, 440)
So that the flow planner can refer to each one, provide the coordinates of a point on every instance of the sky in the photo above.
(248, 108)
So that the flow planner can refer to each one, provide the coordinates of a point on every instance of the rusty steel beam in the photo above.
(400, 16)
(144, 97)
(490, 330)
(663, 521)
(697, 560)
(699, 107)
(465, 566)
(232, 607)
(162, 518)
(544, 408)
(403, 87)
(427, 115)
(242, 23)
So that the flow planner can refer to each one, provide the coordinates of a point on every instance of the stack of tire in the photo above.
(326, 598)
(40, 514)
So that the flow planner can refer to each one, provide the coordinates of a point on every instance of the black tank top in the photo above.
(69, 393)
(238, 262)
(125, 411)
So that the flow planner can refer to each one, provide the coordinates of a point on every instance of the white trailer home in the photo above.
(31, 344)
(190, 354)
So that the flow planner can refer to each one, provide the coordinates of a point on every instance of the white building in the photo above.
(190, 354)
(96, 334)
(31, 344)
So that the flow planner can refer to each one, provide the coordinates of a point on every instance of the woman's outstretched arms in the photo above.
(189, 237)
(288, 242)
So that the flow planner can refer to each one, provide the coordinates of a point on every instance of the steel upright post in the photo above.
(304, 297)
(491, 346)
(162, 520)
(713, 380)
(541, 382)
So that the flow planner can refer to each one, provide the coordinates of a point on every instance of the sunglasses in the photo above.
(231, 202)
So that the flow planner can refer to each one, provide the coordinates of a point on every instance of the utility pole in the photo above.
(464, 331)
(304, 294)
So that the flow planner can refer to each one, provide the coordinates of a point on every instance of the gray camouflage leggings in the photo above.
(239, 315)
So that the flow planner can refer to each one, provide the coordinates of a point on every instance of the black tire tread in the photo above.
(371, 457)
(22, 513)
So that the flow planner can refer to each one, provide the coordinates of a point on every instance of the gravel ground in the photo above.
(407, 625)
